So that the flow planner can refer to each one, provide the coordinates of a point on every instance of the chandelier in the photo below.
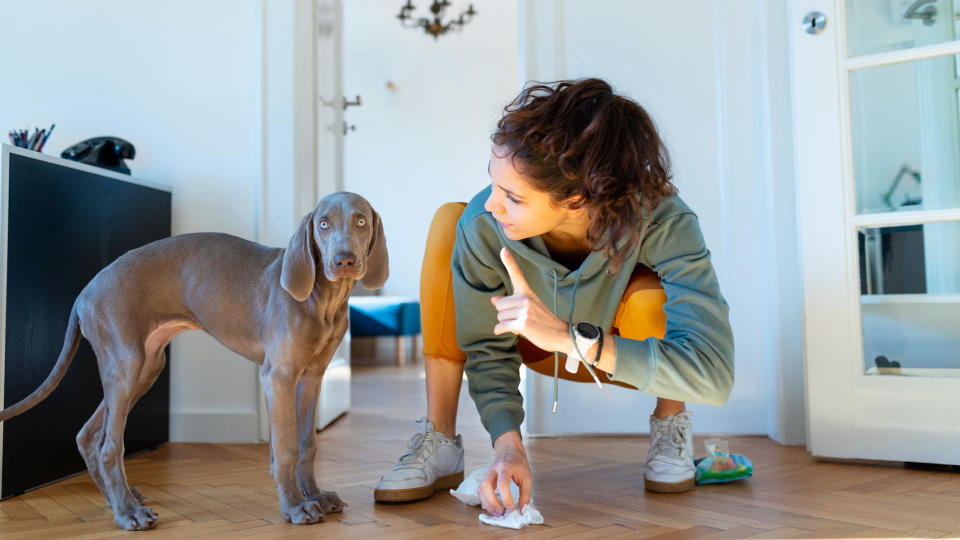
(436, 26)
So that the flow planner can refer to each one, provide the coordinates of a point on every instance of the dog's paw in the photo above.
(329, 501)
(304, 513)
(138, 518)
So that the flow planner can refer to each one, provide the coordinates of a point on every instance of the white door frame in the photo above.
(293, 177)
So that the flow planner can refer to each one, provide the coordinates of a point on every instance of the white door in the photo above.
(878, 171)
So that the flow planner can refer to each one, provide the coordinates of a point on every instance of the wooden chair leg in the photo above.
(416, 348)
(401, 350)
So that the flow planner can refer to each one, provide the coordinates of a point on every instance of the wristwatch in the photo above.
(586, 334)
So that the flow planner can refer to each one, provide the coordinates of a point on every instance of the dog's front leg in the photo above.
(279, 380)
(308, 391)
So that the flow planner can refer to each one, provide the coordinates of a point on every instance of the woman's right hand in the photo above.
(510, 462)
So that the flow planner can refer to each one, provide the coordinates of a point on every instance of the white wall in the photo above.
(715, 80)
(425, 142)
(184, 82)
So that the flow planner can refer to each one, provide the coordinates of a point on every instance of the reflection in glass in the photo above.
(910, 299)
(906, 149)
(876, 26)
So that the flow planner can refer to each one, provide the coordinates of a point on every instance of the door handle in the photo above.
(814, 22)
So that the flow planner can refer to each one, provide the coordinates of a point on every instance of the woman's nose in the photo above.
(491, 206)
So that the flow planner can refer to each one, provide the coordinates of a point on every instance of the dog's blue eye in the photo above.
(324, 224)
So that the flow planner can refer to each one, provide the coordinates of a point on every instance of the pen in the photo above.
(47, 136)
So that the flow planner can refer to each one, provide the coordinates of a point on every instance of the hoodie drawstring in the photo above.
(556, 354)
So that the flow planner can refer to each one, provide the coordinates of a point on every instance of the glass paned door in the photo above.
(877, 117)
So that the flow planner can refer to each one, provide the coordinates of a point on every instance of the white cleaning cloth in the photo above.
(516, 519)
(467, 492)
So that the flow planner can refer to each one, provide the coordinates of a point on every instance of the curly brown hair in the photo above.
(587, 146)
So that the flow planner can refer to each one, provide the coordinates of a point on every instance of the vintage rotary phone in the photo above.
(106, 152)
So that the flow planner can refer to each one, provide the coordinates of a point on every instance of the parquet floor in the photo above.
(585, 487)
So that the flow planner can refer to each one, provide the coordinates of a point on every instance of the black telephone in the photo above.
(106, 152)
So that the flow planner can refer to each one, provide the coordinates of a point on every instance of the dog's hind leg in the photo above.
(121, 370)
(91, 437)
(148, 375)
(89, 442)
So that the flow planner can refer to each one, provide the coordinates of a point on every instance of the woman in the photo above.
(580, 205)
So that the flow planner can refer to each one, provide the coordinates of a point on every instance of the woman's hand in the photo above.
(510, 462)
(524, 314)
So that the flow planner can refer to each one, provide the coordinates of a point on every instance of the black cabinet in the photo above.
(62, 223)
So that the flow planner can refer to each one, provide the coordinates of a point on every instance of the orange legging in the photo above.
(639, 316)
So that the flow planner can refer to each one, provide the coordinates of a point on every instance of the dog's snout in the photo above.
(344, 260)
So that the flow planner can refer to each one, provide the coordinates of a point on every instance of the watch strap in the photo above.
(596, 359)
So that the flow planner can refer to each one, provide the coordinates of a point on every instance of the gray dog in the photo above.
(286, 310)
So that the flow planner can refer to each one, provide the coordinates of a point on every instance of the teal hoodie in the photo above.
(694, 360)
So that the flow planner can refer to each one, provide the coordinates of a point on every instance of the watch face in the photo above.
(588, 330)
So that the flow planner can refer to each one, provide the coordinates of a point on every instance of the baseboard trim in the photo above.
(637, 434)
(214, 427)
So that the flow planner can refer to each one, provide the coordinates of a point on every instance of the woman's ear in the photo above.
(298, 272)
(573, 202)
(575, 208)
(378, 265)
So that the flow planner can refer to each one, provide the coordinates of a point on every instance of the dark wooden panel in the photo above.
(65, 225)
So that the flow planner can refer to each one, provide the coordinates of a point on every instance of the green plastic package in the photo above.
(718, 466)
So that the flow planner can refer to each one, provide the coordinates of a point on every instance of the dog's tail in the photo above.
(70, 343)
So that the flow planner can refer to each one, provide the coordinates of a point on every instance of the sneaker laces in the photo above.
(412, 459)
(675, 436)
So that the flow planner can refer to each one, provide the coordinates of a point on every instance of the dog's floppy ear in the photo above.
(377, 261)
(299, 270)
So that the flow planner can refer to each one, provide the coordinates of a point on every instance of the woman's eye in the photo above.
(511, 199)
(324, 225)
(361, 222)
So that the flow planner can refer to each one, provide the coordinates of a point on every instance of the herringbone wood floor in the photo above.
(585, 487)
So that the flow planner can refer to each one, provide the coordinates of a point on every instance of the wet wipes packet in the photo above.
(721, 466)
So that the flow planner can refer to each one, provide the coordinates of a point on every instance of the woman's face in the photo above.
(522, 211)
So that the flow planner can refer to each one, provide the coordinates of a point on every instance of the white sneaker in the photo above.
(433, 461)
(669, 466)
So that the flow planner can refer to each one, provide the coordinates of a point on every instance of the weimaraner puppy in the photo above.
(286, 310)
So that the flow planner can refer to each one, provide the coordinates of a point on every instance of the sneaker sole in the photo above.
(414, 494)
(669, 487)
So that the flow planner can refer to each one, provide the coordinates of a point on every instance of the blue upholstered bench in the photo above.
(397, 316)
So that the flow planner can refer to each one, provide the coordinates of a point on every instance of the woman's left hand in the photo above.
(524, 314)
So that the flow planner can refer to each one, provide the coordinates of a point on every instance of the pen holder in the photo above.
(34, 141)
